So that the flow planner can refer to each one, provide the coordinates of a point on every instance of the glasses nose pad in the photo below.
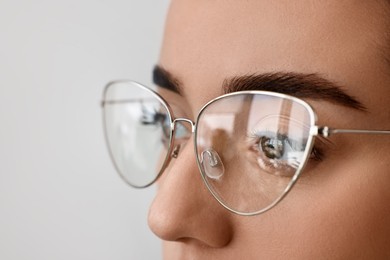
(212, 164)
(175, 152)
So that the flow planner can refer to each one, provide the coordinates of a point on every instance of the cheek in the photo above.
(348, 212)
(342, 213)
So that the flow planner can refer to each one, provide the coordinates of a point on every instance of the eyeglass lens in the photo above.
(259, 142)
(138, 132)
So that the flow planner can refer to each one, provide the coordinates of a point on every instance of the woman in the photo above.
(334, 55)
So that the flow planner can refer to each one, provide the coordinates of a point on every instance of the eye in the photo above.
(273, 148)
(152, 116)
(277, 153)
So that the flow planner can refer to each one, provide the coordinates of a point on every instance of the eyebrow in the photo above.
(164, 79)
(310, 86)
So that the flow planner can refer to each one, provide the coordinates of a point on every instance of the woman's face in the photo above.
(341, 210)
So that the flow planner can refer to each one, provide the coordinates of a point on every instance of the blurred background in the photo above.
(60, 197)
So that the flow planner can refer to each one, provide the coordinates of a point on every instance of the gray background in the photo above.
(60, 197)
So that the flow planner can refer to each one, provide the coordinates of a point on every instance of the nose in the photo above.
(184, 210)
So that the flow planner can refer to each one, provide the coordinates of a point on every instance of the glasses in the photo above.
(250, 146)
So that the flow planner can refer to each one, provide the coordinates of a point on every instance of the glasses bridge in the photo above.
(186, 120)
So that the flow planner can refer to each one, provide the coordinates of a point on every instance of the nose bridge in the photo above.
(182, 119)
(181, 210)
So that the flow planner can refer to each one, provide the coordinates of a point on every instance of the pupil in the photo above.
(273, 148)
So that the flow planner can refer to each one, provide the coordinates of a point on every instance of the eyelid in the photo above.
(177, 103)
(321, 145)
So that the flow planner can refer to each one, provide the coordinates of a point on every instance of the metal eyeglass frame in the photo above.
(315, 130)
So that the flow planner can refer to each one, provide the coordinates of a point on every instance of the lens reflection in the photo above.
(260, 140)
(137, 125)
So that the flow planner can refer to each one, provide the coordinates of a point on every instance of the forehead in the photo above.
(207, 41)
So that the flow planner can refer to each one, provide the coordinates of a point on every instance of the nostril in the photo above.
(212, 164)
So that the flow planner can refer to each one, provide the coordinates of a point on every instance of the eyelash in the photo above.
(320, 143)
(317, 152)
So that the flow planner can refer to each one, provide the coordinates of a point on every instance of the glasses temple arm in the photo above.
(325, 131)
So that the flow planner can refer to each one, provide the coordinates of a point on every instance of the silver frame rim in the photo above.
(170, 145)
(309, 146)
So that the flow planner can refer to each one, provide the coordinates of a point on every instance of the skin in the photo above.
(340, 209)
